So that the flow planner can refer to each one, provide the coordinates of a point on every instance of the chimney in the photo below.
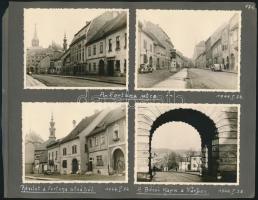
(74, 123)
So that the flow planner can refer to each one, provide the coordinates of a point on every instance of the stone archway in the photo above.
(118, 161)
(217, 126)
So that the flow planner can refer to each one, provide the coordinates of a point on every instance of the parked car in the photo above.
(144, 68)
(48, 172)
(216, 67)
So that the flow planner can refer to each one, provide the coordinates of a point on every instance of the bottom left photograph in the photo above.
(78, 142)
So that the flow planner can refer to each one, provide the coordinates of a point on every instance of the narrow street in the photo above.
(69, 81)
(176, 177)
(195, 78)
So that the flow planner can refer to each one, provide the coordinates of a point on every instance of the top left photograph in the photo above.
(76, 48)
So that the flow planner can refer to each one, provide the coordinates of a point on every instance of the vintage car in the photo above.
(144, 68)
(216, 67)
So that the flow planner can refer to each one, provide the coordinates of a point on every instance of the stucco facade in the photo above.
(69, 158)
(107, 149)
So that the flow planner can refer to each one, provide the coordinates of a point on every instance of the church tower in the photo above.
(65, 43)
(35, 40)
(52, 128)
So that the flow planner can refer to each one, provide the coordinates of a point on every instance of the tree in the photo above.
(172, 160)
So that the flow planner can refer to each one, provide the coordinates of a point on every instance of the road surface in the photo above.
(72, 82)
(176, 177)
(194, 78)
(207, 79)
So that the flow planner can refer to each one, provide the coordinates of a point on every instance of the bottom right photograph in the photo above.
(187, 143)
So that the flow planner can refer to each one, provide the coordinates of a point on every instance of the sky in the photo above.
(52, 24)
(176, 136)
(186, 28)
(36, 116)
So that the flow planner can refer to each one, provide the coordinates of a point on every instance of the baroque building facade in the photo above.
(222, 47)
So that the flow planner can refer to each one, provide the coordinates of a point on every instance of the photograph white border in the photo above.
(187, 105)
(24, 181)
(195, 89)
(77, 88)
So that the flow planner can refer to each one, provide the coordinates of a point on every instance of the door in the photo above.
(90, 166)
(119, 161)
(74, 166)
(101, 67)
(110, 66)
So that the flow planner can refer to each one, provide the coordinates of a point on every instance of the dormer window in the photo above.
(116, 133)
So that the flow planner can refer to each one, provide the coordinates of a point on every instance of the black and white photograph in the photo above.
(187, 144)
(71, 48)
(74, 142)
(188, 50)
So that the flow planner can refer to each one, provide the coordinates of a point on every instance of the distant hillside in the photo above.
(182, 152)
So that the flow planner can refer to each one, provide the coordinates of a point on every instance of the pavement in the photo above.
(30, 81)
(176, 177)
(176, 81)
(105, 79)
(41, 178)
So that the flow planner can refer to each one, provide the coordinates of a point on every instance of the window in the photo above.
(52, 155)
(144, 44)
(64, 164)
(145, 59)
(94, 66)
(125, 41)
(117, 42)
(64, 151)
(85, 148)
(110, 45)
(150, 47)
(56, 155)
(48, 156)
(90, 142)
(101, 47)
(99, 161)
(96, 141)
(124, 65)
(94, 49)
(89, 67)
(83, 54)
(102, 139)
(118, 65)
(89, 51)
(74, 149)
(116, 133)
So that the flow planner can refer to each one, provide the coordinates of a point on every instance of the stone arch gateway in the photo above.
(216, 124)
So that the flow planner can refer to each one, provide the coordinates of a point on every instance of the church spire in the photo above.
(35, 40)
(65, 43)
(52, 128)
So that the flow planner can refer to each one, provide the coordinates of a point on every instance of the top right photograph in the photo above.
(188, 50)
